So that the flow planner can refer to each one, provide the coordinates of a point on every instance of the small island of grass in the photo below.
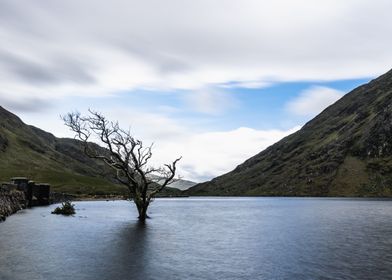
(67, 209)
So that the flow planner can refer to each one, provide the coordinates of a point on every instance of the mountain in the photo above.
(344, 151)
(177, 184)
(30, 152)
(182, 184)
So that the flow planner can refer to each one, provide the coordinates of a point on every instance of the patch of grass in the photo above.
(67, 209)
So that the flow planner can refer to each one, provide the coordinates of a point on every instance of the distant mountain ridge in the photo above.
(344, 151)
(182, 184)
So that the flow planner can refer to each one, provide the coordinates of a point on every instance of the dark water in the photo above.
(207, 238)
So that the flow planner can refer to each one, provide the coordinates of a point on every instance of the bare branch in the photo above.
(125, 154)
(171, 172)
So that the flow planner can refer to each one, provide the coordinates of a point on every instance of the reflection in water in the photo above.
(128, 254)
(208, 238)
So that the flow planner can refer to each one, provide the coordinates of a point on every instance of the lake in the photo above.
(202, 238)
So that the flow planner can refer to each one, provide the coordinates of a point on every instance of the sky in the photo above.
(213, 81)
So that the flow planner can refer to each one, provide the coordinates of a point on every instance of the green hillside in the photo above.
(30, 152)
(344, 151)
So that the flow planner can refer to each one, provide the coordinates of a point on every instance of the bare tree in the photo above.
(125, 154)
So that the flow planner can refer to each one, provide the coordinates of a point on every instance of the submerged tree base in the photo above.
(67, 209)
(143, 219)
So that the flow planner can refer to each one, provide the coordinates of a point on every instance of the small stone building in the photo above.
(36, 194)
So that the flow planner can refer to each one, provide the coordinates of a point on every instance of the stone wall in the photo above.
(10, 202)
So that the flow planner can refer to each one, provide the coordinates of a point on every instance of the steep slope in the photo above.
(344, 151)
(31, 152)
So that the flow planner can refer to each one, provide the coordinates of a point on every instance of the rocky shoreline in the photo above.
(10, 202)
(14, 200)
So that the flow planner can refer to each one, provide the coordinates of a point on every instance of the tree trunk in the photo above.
(142, 209)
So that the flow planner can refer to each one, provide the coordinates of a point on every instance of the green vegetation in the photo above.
(67, 209)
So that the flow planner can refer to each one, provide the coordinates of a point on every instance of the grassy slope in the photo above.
(345, 151)
(30, 152)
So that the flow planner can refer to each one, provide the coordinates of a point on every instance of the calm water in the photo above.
(206, 238)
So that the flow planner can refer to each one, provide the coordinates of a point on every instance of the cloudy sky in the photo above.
(215, 81)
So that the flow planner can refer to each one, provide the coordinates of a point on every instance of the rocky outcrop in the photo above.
(10, 202)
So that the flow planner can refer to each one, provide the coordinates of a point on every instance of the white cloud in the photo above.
(51, 50)
(78, 48)
(313, 101)
(246, 84)
(210, 100)
(209, 154)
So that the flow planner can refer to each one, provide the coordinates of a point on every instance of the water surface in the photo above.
(202, 238)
